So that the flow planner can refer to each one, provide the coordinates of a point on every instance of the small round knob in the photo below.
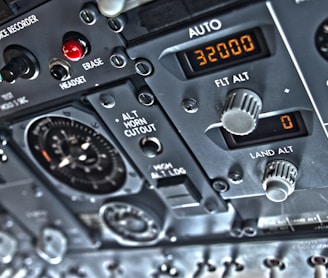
(8, 248)
(241, 111)
(52, 245)
(279, 180)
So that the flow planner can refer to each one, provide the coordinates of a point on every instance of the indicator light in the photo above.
(75, 46)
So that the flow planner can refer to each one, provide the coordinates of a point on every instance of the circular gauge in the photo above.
(129, 223)
(76, 155)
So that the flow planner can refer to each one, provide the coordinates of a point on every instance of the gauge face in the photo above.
(76, 155)
(129, 222)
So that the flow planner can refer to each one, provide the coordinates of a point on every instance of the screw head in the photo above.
(107, 101)
(118, 59)
(143, 67)
(220, 186)
(116, 24)
(235, 177)
(190, 105)
(146, 98)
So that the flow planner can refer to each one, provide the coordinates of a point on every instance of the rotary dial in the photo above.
(76, 155)
(130, 223)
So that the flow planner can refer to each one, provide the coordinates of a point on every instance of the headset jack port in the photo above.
(60, 69)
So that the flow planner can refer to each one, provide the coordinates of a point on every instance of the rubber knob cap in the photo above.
(279, 180)
(241, 111)
(111, 8)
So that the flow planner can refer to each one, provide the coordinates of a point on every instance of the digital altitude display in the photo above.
(279, 127)
(224, 52)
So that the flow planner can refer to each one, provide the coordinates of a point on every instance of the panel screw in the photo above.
(210, 207)
(146, 97)
(143, 67)
(107, 101)
(89, 14)
(220, 186)
(235, 177)
(118, 59)
(190, 105)
(116, 24)
(3, 156)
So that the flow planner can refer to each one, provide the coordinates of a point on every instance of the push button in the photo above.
(75, 46)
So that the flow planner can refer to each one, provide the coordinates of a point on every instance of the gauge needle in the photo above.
(85, 146)
(65, 161)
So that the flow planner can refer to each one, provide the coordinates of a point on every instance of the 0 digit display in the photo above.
(279, 127)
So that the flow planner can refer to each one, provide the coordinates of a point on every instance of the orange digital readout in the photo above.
(223, 52)
(286, 122)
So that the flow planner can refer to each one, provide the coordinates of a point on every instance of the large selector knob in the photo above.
(241, 111)
(279, 180)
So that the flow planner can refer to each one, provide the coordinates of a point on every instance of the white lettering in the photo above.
(204, 28)
(3, 34)
(163, 166)
(166, 169)
(139, 130)
(261, 154)
(72, 82)
(269, 153)
(93, 64)
(215, 24)
(135, 123)
(241, 77)
(285, 150)
(222, 82)
(236, 78)
(128, 116)
(7, 96)
(20, 25)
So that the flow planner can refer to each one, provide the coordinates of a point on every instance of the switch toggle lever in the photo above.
(319, 263)
(20, 62)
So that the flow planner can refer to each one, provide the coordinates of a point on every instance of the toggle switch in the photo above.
(275, 265)
(320, 264)
(20, 63)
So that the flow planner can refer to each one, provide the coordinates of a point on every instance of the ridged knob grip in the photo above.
(279, 180)
(241, 111)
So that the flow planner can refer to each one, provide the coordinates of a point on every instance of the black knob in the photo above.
(14, 69)
(20, 62)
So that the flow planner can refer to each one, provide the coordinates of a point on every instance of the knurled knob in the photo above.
(279, 180)
(241, 111)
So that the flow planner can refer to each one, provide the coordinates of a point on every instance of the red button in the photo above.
(73, 50)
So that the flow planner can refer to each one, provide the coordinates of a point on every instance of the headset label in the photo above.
(73, 82)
